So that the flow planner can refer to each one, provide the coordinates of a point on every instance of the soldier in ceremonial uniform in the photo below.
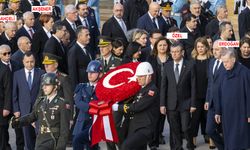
(50, 112)
(15, 6)
(143, 110)
(108, 60)
(84, 93)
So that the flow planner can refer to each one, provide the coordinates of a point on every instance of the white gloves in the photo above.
(115, 107)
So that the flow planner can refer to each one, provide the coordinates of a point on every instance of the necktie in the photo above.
(29, 80)
(54, 11)
(216, 66)
(31, 33)
(105, 63)
(9, 65)
(74, 26)
(154, 23)
(168, 21)
(123, 26)
(86, 22)
(176, 73)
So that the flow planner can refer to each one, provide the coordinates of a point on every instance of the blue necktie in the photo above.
(30, 80)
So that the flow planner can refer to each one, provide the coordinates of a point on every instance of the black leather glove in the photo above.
(15, 122)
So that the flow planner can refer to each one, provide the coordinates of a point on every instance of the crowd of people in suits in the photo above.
(194, 82)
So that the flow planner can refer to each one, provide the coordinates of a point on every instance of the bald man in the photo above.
(115, 27)
(151, 20)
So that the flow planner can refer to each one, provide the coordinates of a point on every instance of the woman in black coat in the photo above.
(158, 58)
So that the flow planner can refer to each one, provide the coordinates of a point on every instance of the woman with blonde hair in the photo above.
(201, 55)
(140, 36)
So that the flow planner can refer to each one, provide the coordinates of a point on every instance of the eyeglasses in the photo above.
(6, 53)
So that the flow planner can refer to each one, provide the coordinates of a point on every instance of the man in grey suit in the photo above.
(177, 97)
(26, 85)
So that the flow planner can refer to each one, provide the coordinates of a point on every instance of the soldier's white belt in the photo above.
(44, 129)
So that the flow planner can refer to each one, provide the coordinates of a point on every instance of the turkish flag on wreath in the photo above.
(115, 86)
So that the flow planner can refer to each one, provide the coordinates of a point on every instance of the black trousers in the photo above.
(19, 138)
(135, 141)
(4, 137)
(180, 122)
(199, 118)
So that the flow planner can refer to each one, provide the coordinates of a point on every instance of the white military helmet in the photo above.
(144, 68)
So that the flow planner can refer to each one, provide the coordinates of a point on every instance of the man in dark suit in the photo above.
(26, 85)
(79, 57)
(244, 20)
(89, 22)
(115, 27)
(212, 28)
(5, 97)
(215, 74)
(26, 5)
(226, 32)
(70, 21)
(151, 20)
(193, 33)
(24, 46)
(55, 46)
(56, 12)
(8, 36)
(27, 29)
(178, 96)
(166, 15)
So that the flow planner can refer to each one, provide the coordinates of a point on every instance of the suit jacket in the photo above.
(244, 22)
(189, 43)
(178, 96)
(26, 6)
(113, 62)
(214, 81)
(23, 32)
(24, 98)
(111, 28)
(56, 13)
(145, 53)
(212, 27)
(71, 31)
(146, 23)
(5, 92)
(53, 46)
(18, 58)
(172, 23)
(12, 43)
(39, 40)
(94, 34)
(78, 62)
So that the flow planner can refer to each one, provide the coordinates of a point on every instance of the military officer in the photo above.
(142, 110)
(107, 59)
(51, 113)
(15, 6)
(50, 63)
(84, 93)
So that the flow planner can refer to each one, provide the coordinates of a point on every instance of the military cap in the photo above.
(2, 1)
(14, 1)
(82, 1)
(104, 41)
(49, 59)
(166, 6)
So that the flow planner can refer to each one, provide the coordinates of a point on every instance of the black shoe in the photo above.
(206, 138)
(212, 147)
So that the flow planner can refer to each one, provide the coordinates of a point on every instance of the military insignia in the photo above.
(151, 93)
(67, 106)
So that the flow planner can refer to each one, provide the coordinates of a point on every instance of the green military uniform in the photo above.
(112, 61)
(19, 14)
(65, 87)
(53, 123)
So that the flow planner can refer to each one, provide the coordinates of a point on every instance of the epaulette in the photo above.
(40, 99)
(62, 74)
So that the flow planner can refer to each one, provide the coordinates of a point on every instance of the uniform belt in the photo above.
(48, 130)
(176, 14)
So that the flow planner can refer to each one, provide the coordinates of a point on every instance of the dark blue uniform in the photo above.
(84, 93)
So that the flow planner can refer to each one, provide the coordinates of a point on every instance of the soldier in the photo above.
(84, 93)
(15, 6)
(49, 111)
(142, 110)
(108, 60)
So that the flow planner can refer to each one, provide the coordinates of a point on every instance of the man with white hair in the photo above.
(27, 29)
(70, 20)
(8, 36)
(24, 46)
(151, 20)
